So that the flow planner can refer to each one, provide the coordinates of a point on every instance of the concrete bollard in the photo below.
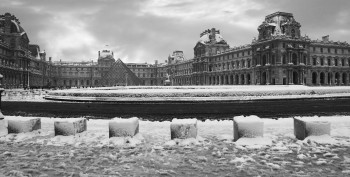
(3, 127)
(23, 125)
(304, 128)
(183, 128)
(70, 126)
(119, 127)
(250, 127)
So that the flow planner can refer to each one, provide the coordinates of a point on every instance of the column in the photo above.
(268, 77)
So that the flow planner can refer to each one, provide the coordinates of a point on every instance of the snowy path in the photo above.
(152, 153)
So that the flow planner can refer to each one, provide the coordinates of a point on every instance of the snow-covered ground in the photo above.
(153, 153)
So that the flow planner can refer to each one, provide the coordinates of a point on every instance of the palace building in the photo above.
(279, 55)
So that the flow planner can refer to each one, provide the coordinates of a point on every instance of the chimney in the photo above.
(325, 38)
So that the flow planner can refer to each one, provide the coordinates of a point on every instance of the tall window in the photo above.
(321, 50)
(314, 61)
(336, 62)
(284, 59)
(329, 50)
(329, 62)
(322, 61)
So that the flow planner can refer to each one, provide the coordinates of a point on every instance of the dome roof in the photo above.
(211, 36)
(205, 38)
(106, 54)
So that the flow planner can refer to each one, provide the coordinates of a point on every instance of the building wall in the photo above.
(279, 55)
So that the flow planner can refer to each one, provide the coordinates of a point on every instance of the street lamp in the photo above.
(1, 90)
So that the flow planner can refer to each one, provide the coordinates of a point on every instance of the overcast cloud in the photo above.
(148, 30)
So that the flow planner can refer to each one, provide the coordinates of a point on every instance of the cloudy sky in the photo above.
(148, 30)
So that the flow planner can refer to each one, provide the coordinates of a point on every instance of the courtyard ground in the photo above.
(152, 153)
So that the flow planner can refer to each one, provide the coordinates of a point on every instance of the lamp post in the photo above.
(1, 90)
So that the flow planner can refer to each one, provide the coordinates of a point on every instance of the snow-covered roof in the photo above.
(205, 38)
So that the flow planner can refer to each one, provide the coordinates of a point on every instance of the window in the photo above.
(329, 50)
(284, 45)
(321, 50)
(314, 49)
(336, 51)
(342, 62)
(336, 62)
(314, 61)
(329, 62)
(322, 61)
(284, 60)
(248, 52)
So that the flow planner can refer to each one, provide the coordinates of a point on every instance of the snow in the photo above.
(158, 134)
(191, 93)
(183, 121)
(247, 119)
(3, 127)
(183, 128)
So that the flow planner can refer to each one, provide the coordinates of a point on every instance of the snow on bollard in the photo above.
(119, 127)
(3, 127)
(70, 126)
(23, 125)
(304, 128)
(183, 128)
(250, 127)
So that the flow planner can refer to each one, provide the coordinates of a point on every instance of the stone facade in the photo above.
(22, 63)
(279, 55)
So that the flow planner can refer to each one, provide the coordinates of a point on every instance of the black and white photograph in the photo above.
(231, 88)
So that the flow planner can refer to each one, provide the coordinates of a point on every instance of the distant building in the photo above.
(279, 55)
